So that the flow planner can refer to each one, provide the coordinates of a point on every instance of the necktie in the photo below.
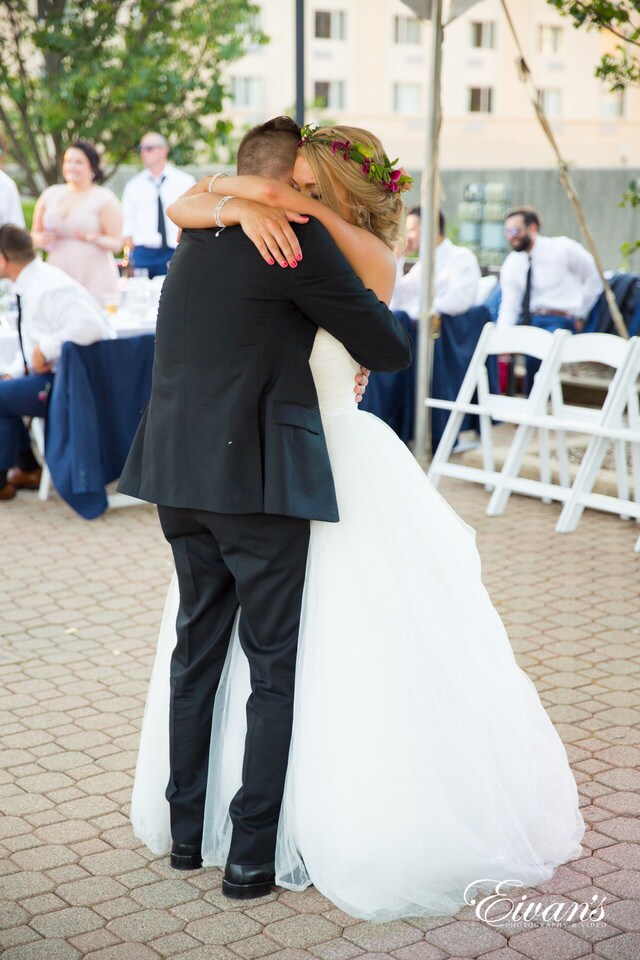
(162, 230)
(525, 316)
(24, 359)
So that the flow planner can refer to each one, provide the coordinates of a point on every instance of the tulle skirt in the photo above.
(422, 760)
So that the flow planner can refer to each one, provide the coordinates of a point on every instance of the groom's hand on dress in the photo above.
(362, 382)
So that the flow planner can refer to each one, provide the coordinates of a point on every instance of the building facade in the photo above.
(367, 64)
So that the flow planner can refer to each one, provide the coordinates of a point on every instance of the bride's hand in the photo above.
(268, 228)
(362, 382)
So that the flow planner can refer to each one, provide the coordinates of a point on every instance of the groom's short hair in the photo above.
(269, 150)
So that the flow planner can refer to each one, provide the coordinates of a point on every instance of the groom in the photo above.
(231, 448)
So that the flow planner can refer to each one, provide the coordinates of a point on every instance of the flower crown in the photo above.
(391, 177)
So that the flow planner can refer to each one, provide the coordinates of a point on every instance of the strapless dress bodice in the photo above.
(333, 371)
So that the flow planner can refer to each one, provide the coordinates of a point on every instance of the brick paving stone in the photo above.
(174, 944)
(420, 951)
(466, 938)
(304, 930)
(196, 910)
(307, 901)
(252, 948)
(124, 951)
(112, 862)
(624, 914)
(626, 946)
(25, 885)
(622, 803)
(66, 923)
(15, 936)
(94, 940)
(145, 925)
(338, 949)
(382, 936)
(44, 950)
(223, 928)
(548, 944)
(12, 914)
(66, 831)
(274, 910)
(166, 893)
(76, 707)
(622, 883)
(90, 890)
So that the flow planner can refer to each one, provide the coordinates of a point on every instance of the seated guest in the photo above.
(456, 278)
(52, 308)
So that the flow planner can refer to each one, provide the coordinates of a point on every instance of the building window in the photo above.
(550, 101)
(330, 25)
(612, 104)
(329, 93)
(406, 98)
(549, 39)
(480, 100)
(406, 30)
(247, 91)
(483, 34)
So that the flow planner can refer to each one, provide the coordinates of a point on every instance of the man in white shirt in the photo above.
(457, 273)
(10, 206)
(150, 236)
(549, 282)
(52, 308)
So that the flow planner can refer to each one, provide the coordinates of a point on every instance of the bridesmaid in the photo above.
(79, 222)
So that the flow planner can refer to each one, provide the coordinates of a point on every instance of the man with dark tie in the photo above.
(150, 237)
(52, 308)
(548, 282)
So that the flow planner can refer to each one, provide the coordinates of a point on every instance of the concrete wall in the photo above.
(599, 190)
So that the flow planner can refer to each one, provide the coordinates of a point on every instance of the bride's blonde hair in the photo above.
(367, 203)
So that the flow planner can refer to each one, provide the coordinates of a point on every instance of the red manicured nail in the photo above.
(293, 263)
(271, 262)
(298, 256)
(284, 263)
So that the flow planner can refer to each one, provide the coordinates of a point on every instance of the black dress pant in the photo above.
(257, 562)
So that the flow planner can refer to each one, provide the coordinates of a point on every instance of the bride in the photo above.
(422, 760)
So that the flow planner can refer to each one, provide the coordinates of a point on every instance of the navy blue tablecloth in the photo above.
(97, 398)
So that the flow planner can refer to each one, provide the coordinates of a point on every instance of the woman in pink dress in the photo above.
(79, 222)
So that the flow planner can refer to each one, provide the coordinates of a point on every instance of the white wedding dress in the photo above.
(422, 759)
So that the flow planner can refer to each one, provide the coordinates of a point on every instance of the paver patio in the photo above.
(79, 610)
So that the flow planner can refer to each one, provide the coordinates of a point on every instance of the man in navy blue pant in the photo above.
(52, 308)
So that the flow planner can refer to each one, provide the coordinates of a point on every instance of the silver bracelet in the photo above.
(213, 180)
(218, 210)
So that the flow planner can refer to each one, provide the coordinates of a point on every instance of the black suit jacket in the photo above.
(233, 424)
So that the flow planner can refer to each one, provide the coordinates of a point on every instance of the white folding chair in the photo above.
(622, 396)
(583, 348)
(36, 430)
(531, 341)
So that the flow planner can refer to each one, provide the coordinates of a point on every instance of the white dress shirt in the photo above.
(140, 205)
(10, 206)
(457, 273)
(564, 277)
(55, 308)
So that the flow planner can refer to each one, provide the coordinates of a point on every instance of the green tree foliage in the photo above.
(107, 70)
(621, 18)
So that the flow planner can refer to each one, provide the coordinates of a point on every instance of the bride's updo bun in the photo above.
(344, 185)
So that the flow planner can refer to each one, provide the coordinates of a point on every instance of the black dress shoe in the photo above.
(242, 882)
(186, 856)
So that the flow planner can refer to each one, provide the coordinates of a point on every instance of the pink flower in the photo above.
(366, 166)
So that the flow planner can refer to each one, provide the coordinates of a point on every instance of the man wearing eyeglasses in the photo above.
(548, 282)
(150, 237)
